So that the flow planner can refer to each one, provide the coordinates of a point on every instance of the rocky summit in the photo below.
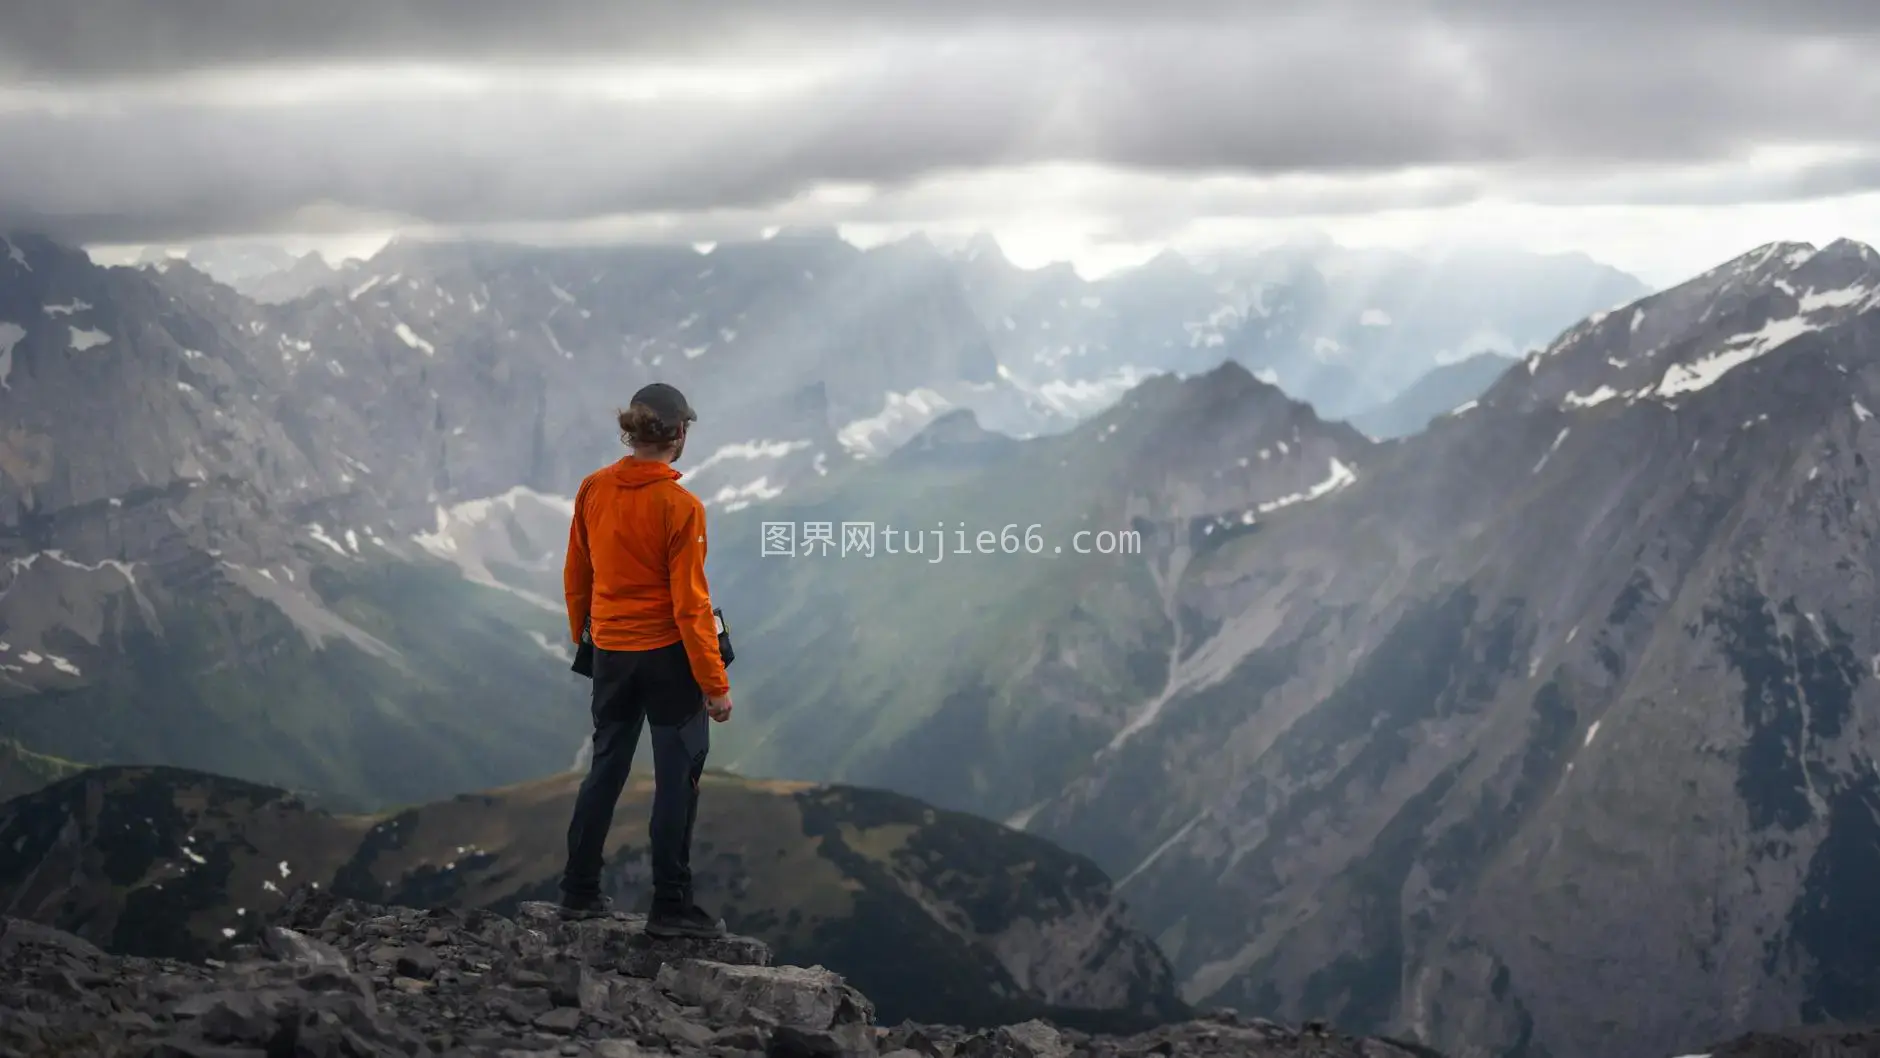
(336, 977)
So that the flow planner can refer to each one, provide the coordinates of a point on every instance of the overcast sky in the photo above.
(1660, 135)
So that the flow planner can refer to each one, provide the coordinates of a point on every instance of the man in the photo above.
(635, 581)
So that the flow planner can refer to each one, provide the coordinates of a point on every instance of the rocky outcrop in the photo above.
(939, 917)
(336, 977)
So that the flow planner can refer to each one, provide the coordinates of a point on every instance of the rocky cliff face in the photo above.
(1568, 692)
(939, 916)
(338, 977)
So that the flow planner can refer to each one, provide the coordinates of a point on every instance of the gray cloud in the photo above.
(119, 38)
(1576, 104)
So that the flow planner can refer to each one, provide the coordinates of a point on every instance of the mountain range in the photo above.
(1449, 735)
(1459, 735)
(334, 502)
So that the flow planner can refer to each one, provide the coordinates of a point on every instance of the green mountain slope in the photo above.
(22, 771)
(985, 681)
(387, 682)
(939, 916)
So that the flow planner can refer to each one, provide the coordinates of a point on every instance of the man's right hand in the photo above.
(718, 706)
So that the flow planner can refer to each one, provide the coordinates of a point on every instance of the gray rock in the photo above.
(621, 944)
(812, 998)
(563, 1020)
(1033, 1039)
(533, 996)
(289, 945)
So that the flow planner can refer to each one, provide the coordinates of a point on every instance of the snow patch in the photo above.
(319, 535)
(88, 338)
(556, 343)
(1590, 732)
(695, 351)
(10, 335)
(1861, 412)
(127, 569)
(1598, 396)
(739, 497)
(1549, 454)
(1374, 318)
(73, 306)
(406, 335)
(1339, 477)
(1737, 351)
(1212, 331)
(464, 533)
(899, 411)
(1080, 397)
(562, 295)
(1816, 301)
(750, 450)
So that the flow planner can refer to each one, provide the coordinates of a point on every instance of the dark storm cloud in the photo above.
(56, 39)
(1530, 93)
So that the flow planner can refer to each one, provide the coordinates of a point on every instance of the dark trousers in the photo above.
(632, 689)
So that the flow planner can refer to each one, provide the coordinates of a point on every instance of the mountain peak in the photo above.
(1680, 341)
(983, 246)
(954, 430)
(1849, 250)
(1168, 262)
(1778, 254)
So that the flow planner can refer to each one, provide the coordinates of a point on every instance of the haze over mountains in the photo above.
(1567, 692)
(196, 477)
(1450, 735)
(1454, 736)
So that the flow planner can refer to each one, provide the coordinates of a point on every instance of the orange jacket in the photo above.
(636, 567)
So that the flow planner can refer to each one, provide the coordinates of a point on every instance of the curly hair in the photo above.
(641, 427)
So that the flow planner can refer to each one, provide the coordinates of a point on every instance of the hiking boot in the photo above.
(576, 908)
(686, 920)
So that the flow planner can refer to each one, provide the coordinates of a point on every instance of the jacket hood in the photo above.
(635, 473)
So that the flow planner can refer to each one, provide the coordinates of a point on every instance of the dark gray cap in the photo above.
(667, 403)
